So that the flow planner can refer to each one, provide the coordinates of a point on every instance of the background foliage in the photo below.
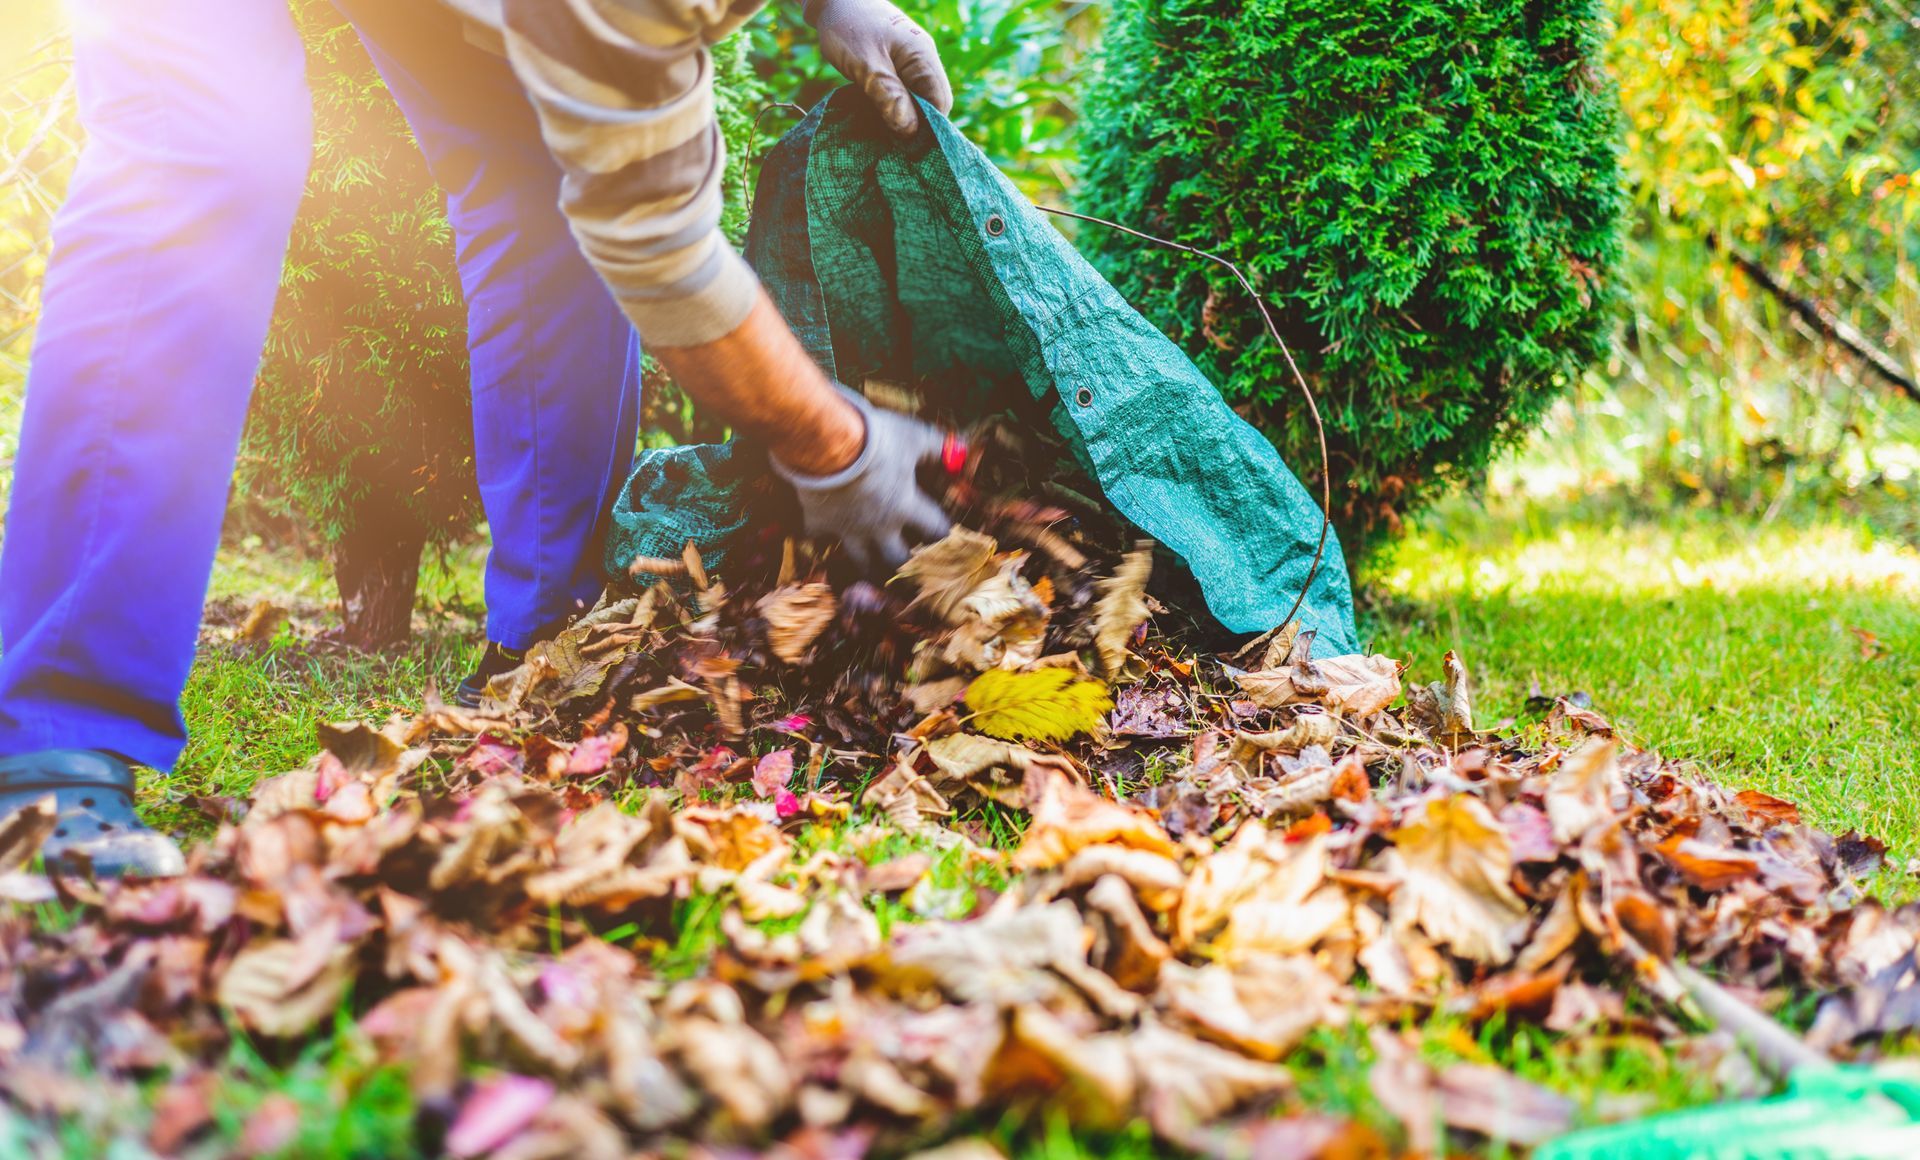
(1013, 63)
(1788, 132)
(1427, 193)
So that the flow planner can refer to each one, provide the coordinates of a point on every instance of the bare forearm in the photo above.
(760, 379)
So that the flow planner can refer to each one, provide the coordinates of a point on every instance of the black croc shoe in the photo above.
(98, 829)
(494, 662)
(499, 660)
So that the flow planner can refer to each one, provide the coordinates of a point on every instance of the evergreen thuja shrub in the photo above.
(361, 425)
(1426, 192)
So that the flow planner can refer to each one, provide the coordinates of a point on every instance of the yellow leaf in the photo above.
(1046, 705)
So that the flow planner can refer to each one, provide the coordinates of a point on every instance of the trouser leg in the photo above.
(155, 307)
(555, 364)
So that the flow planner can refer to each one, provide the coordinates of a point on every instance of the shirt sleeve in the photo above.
(624, 92)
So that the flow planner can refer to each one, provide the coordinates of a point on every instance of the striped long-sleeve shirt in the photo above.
(624, 91)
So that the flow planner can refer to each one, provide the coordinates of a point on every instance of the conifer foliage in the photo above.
(1426, 191)
(361, 426)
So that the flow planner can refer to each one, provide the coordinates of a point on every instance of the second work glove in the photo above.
(875, 503)
(881, 49)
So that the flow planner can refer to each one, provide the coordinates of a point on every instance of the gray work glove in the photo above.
(872, 505)
(881, 49)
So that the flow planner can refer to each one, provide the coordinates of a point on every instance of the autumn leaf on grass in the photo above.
(1356, 684)
(1767, 809)
(1044, 705)
(1359, 684)
(796, 616)
(1706, 865)
(1121, 609)
(1067, 816)
(773, 773)
(1454, 865)
(948, 571)
(1580, 793)
(278, 989)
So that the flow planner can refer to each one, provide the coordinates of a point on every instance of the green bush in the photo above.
(361, 426)
(1426, 191)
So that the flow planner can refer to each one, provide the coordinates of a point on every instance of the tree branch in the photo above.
(1818, 316)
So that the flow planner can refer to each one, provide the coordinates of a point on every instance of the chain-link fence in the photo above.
(39, 140)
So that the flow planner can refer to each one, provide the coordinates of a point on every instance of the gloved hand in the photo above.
(881, 49)
(874, 503)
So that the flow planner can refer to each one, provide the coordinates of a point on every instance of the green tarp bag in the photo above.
(919, 261)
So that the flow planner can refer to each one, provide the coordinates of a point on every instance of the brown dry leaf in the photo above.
(1455, 864)
(737, 1066)
(1273, 688)
(675, 690)
(1155, 879)
(1581, 793)
(1558, 932)
(1262, 1007)
(964, 757)
(796, 616)
(1312, 781)
(1007, 958)
(897, 875)
(1133, 954)
(1456, 703)
(1650, 923)
(1067, 816)
(1093, 1077)
(266, 987)
(1308, 729)
(732, 839)
(950, 570)
(905, 796)
(1767, 808)
(1186, 1083)
(1708, 866)
(24, 830)
(1356, 684)
(1270, 896)
(1232, 873)
(261, 625)
(1359, 684)
(1121, 609)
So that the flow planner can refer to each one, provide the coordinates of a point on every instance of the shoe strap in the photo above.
(54, 769)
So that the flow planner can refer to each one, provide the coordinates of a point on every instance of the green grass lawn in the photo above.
(1706, 635)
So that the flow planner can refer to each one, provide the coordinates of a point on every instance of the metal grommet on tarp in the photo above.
(996, 225)
(1084, 397)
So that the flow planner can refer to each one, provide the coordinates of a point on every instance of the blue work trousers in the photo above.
(167, 255)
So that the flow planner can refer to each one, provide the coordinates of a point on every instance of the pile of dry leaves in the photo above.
(1212, 861)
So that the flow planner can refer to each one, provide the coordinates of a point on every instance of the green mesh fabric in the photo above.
(919, 261)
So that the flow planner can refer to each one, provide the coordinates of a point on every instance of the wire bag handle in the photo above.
(746, 154)
(1306, 392)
